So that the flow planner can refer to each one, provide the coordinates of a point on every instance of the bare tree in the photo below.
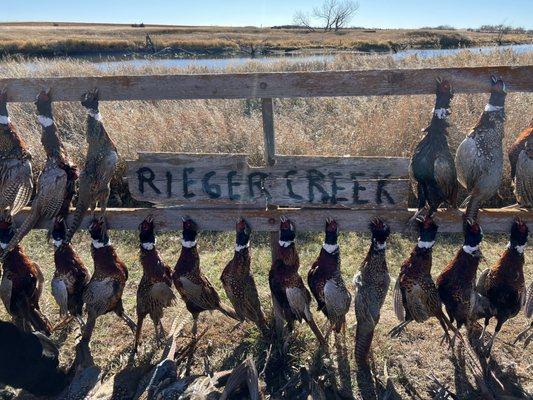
(303, 19)
(326, 13)
(343, 13)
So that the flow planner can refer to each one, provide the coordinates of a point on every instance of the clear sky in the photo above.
(372, 13)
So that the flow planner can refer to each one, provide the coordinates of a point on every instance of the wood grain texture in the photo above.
(267, 112)
(169, 219)
(272, 84)
(354, 182)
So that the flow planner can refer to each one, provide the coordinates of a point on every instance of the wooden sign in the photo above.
(347, 182)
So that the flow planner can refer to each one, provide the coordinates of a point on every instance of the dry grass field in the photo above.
(45, 39)
(357, 126)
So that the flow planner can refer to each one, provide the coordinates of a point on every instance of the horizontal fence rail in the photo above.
(222, 219)
(272, 84)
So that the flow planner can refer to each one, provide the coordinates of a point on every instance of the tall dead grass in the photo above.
(387, 125)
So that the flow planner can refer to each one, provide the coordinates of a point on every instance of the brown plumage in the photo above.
(56, 183)
(22, 285)
(371, 287)
(432, 167)
(503, 285)
(415, 294)
(154, 293)
(325, 280)
(100, 165)
(457, 280)
(16, 177)
(290, 296)
(238, 281)
(103, 293)
(194, 288)
(70, 275)
(518, 146)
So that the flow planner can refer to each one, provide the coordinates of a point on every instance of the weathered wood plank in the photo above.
(267, 111)
(356, 182)
(169, 219)
(272, 84)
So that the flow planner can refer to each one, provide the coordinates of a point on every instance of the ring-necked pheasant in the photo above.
(528, 311)
(238, 280)
(290, 297)
(457, 281)
(432, 167)
(100, 165)
(71, 276)
(503, 284)
(16, 178)
(479, 157)
(57, 182)
(523, 181)
(415, 295)
(371, 286)
(194, 288)
(103, 293)
(22, 285)
(154, 293)
(325, 280)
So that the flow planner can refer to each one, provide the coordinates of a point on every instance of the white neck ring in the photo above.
(519, 249)
(4, 120)
(470, 249)
(95, 114)
(490, 108)
(188, 243)
(148, 245)
(45, 121)
(285, 243)
(241, 247)
(425, 245)
(330, 248)
(441, 113)
(98, 245)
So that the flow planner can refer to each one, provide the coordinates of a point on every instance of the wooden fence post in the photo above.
(267, 111)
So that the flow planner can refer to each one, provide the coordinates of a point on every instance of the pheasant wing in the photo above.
(446, 177)
(162, 294)
(337, 298)
(98, 295)
(6, 288)
(60, 294)
(397, 297)
(16, 185)
(51, 191)
(200, 292)
(481, 285)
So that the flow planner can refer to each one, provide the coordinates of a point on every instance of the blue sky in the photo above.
(372, 13)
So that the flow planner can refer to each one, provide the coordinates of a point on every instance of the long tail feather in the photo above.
(30, 221)
(39, 321)
(316, 330)
(81, 208)
(228, 311)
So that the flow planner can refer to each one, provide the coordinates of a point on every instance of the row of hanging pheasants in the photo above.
(499, 292)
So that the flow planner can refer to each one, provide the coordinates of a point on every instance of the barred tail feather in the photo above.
(23, 197)
(262, 324)
(31, 220)
(364, 334)
(81, 208)
(316, 330)
(39, 322)
(228, 311)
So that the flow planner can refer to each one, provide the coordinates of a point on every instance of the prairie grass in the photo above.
(69, 38)
(333, 126)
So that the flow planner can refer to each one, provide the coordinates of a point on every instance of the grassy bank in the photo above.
(48, 39)
(357, 126)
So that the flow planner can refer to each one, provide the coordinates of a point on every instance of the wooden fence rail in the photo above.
(223, 219)
(272, 84)
(266, 86)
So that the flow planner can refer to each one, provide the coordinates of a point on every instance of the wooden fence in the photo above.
(266, 86)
